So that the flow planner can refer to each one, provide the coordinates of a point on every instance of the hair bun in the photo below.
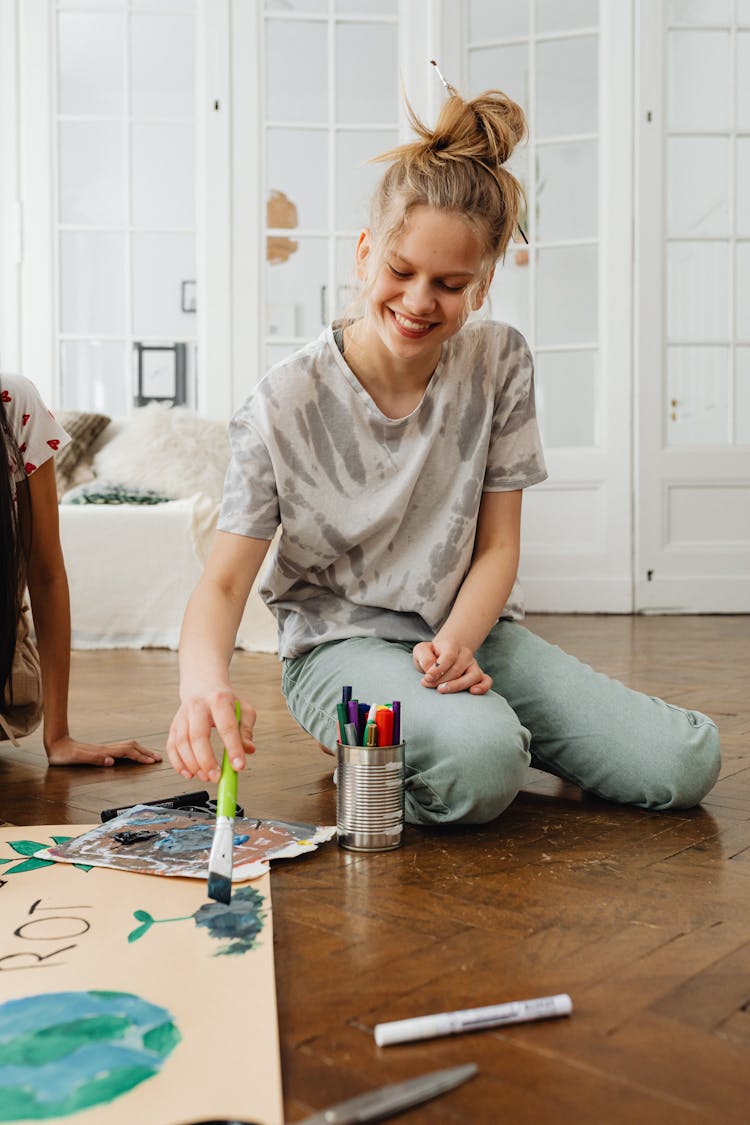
(486, 128)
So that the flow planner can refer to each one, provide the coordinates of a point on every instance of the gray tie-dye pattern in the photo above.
(321, 445)
(290, 458)
(470, 418)
(335, 416)
(378, 515)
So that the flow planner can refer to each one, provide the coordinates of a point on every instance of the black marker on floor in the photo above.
(181, 801)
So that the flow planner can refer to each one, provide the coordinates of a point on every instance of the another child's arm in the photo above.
(50, 604)
(207, 642)
(448, 662)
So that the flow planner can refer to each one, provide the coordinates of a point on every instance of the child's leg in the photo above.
(466, 756)
(592, 730)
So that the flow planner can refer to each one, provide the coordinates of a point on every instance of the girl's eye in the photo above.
(452, 288)
(397, 273)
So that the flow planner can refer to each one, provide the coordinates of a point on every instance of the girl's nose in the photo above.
(419, 299)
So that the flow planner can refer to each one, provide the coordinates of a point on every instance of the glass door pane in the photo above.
(706, 210)
(550, 289)
(126, 192)
(332, 103)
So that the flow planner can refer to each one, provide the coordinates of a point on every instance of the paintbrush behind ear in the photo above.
(222, 849)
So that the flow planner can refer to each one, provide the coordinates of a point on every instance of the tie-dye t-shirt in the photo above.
(378, 515)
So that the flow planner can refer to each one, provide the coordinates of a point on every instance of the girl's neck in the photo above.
(395, 385)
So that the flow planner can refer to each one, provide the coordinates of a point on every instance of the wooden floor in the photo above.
(644, 918)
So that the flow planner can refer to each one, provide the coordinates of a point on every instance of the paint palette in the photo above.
(157, 841)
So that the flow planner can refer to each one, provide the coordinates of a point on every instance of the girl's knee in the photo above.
(470, 779)
(691, 764)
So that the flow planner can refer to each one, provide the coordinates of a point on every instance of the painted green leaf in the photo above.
(142, 916)
(62, 839)
(139, 931)
(27, 847)
(29, 865)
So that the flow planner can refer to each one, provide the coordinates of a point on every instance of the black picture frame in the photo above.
(162, 373)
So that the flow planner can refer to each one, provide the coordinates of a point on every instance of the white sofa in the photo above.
(131, 570)
(132, 567)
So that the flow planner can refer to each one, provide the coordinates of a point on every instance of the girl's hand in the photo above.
(189, 745)
(450, 666)
(67, 751)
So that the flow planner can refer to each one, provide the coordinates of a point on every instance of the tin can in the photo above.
(370, 797)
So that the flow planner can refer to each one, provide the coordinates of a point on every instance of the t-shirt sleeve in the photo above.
(38, 435)
(250, 505)
(515, 458)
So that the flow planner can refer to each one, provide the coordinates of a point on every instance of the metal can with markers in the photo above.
(370, 797)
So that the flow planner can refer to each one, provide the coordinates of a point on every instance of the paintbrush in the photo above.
(222, 848)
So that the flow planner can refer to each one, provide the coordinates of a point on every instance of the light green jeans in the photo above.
(467, 755)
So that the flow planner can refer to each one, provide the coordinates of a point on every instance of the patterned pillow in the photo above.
(73, 464)
(100, 492)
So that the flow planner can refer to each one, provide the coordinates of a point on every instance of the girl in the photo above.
(393, 452)
(31, 554)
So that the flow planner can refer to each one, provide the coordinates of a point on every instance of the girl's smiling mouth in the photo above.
(412, 328)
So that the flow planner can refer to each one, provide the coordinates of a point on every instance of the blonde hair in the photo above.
(458, 166)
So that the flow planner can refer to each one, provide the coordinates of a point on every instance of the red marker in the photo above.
(384, 723)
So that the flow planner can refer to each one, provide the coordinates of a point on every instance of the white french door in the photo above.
(570, 66)
(693, 318)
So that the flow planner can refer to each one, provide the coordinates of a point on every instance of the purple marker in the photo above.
(396, 707)
(364, 711)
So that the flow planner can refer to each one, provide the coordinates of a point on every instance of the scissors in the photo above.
(379, 1104)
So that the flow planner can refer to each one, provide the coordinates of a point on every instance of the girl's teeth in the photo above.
(412, 325)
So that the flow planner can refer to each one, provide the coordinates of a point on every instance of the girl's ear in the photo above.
(483, 290)
(362, 253)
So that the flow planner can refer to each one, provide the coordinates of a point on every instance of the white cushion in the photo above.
(170, 450)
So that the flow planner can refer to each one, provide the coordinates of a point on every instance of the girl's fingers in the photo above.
(134, 751)
(189, 746)
(199, 738)
(225, 721)
(473, 679)
(179, 750)
(423, 655)
(450, 664)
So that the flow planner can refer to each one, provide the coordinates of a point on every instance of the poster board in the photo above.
(131, 998)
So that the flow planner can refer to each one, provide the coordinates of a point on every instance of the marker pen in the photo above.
(181, 801)
(473, 1019)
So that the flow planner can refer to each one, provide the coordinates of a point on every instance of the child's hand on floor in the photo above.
(67, 751)
(189, 744)
(450, 666)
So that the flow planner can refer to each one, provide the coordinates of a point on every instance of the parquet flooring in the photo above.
(642, 917)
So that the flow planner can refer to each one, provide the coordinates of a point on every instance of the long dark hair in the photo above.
(12, 552)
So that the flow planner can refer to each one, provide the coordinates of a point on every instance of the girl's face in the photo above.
(418, 297)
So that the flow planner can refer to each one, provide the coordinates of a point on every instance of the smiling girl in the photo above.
(392, 452)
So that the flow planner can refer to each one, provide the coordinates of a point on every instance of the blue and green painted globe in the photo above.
(62, 1052)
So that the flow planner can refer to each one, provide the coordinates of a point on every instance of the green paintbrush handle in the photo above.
(226, 796)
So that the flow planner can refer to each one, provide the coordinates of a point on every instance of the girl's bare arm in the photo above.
(447, 662)
(207, 642)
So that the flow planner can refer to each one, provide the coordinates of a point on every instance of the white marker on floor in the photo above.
(473, 1019)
